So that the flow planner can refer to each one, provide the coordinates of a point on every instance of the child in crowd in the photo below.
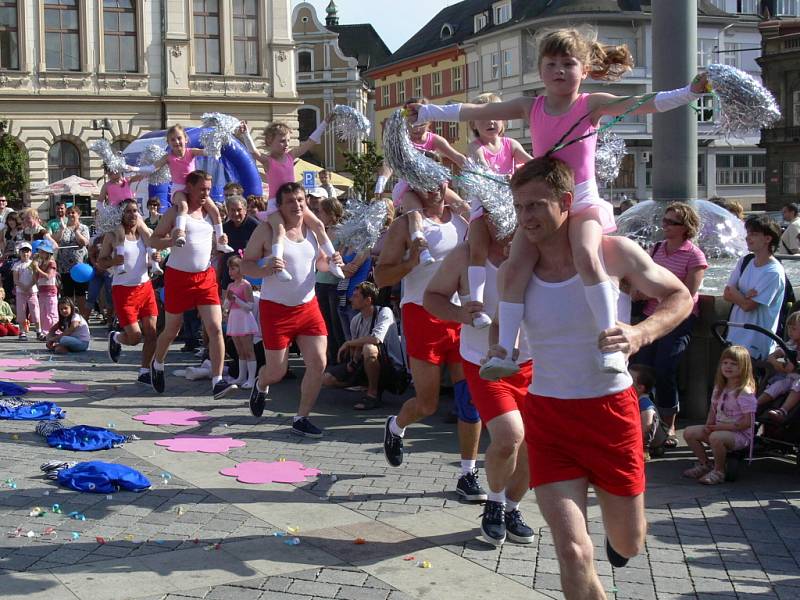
(241, 323)
(279, 167)
(786, 380)
(25, 289)
(644, 380)
(255, 206)
(71, 331)
(180, 160)
(7, 327)
(232, 188)
(729, 425)
(45, 269)
(500, 154)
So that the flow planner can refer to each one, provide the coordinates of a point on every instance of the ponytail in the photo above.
(608, 62)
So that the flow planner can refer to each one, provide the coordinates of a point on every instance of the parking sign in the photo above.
(309, 179)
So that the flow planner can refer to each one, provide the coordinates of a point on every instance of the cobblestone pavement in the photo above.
(197, 534)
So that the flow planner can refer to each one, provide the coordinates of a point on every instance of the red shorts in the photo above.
(134, 302)
(598, 438)
(280, 324)
(428, 338)
(495, 398)
(184, 291)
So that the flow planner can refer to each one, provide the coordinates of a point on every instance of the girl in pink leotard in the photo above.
(558, 120)
(279, 167)
(500, 154)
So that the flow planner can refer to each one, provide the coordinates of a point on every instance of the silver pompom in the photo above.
(151, 155)
(422, 173)
(349, 125)
(220, 131)
(608, 156)
(494, 193)
(362, 224)
(746, 105)
(114, 161)
(107, 218)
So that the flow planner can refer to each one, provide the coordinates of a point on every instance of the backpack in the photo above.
(788, 296)
(102, 478)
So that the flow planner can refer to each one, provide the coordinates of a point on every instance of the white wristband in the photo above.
(674, 98)
(380, 184)
(248, 141)
(143, 170)
(316, 135)
(438, 112)
(218, 229)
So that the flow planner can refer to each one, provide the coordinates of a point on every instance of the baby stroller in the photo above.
(783, 438)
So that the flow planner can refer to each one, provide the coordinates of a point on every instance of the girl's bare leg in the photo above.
(118, 242)
(318, 227)
(412, 207)
(181, 213)
(212, 210)
(278, 240)
(478, 240)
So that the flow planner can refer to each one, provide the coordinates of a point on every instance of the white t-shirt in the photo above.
(769, 282)
(789, 242)
(385, 330)
(25, 276)
(81, 331)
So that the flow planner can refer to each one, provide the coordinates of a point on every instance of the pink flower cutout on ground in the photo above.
(256, 471)
(185, 418)
(27, 375)
(59, 387)
(207, 444)
(18, 362)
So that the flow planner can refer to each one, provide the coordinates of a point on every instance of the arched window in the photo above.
(304, 61)
(120, 145)
(63, 160)
(446, 31)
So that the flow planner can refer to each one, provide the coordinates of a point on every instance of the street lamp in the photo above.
(103, 125)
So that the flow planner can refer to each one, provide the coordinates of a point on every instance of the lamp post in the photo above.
(102, 125)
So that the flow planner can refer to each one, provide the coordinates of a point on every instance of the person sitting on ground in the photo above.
(653, 436)
(786, 379)
(7, 327)
(729, 425)
(372, 330)
(71, 332)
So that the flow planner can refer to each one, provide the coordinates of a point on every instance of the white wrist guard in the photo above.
(218, 229)
(674, 98)
(248, 141)
(316, 135)
(380, 184)
(438, 112)
(144, 169)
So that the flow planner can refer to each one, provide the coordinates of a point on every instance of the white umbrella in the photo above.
(70, 186)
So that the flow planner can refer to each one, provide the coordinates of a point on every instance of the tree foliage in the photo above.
(13, 170)
(364, 168)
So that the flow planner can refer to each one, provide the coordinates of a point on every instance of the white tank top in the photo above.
(442, 238)
(195, 256)
(562, 336)
(475, 342)
(301, 259)
(135, 264)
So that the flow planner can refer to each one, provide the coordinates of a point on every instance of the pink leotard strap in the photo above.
(118, 192)
(547, 130)
(180, 166)
(503, 160)
(280, 172)
(427, 143)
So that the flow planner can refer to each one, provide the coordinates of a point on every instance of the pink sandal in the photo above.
(697, 471)
(714, 477)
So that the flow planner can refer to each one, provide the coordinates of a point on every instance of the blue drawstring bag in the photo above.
(84, 438)
(102, 478)
(12, 389)
(41, 411)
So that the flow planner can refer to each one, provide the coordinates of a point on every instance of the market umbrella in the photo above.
(70, 186)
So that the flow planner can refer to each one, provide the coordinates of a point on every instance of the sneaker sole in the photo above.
(304, 434)
(231, 388)
(518, 539)
(472, 497)
(490, 540)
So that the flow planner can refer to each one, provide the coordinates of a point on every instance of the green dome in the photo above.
(331, 9)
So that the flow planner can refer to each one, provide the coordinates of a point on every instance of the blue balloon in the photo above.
(81, 272)
(253, 280)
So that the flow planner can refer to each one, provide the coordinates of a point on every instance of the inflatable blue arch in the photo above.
(235, 164)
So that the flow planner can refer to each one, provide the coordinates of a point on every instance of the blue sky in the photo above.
(393, 23)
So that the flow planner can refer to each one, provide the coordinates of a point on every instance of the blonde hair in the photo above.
(793, 319)
(604, 62)
(688, 216)
(234, 260)
(485, 98)
(177, 128)
(741, 357)
(274, 129)
(333, 207)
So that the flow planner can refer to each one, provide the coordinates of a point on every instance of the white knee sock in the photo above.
(252, 371)
(242, 372)
(327, 248)
(476, 276)
(510, 314)
(511, 505)
(180, 222)
(277, 250)
(601, 302)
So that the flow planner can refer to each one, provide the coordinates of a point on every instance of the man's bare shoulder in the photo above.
(621, 255)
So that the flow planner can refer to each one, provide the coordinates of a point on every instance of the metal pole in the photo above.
(675, 131)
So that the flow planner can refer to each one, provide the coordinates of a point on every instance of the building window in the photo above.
(417, 85)
(648, 171)
(480, 21)
(385, 95)
(720, 4)
(62, 35)
(436, 83)
(452, 131)
(438, 128)
(502, 12)
(119, 35)
(747, 7)
(245, 37)
(508, 63)
(731, 54)
(705, 109)
(791, 178)
(472, 74)
(456, 79)
(446, 31)
(796, 108)
(788, 8)
(9, 37)
(206, 36)
(706, 48)
(401, 92)
(494, 66)
(740, 169)
(63, 160)
(305, 61)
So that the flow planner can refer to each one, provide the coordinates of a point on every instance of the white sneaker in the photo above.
(613, 362)
(336, 270)
(283, 275)
(425, 257)
(481, 321)
(224, 248)
(496, 368)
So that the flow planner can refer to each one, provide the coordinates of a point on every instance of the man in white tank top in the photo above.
(190, 282)
(288, 310)
(430, 342)
(582, 425)
(506, 461)
(131, 292)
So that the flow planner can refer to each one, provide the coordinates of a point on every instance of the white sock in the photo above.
(496, 496)
(510, 314)
(215, 380)
(264, 391)
(417, 235)
(296, 418)
(143, 370)
(467, 466)
(327, 248)
(157, 365)
(252, 370)
(601, 302)
(242, 371)
(277, 250)
(115, 337)
(395, 428)
(511, 505)
(476, 276)
(180, 222)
